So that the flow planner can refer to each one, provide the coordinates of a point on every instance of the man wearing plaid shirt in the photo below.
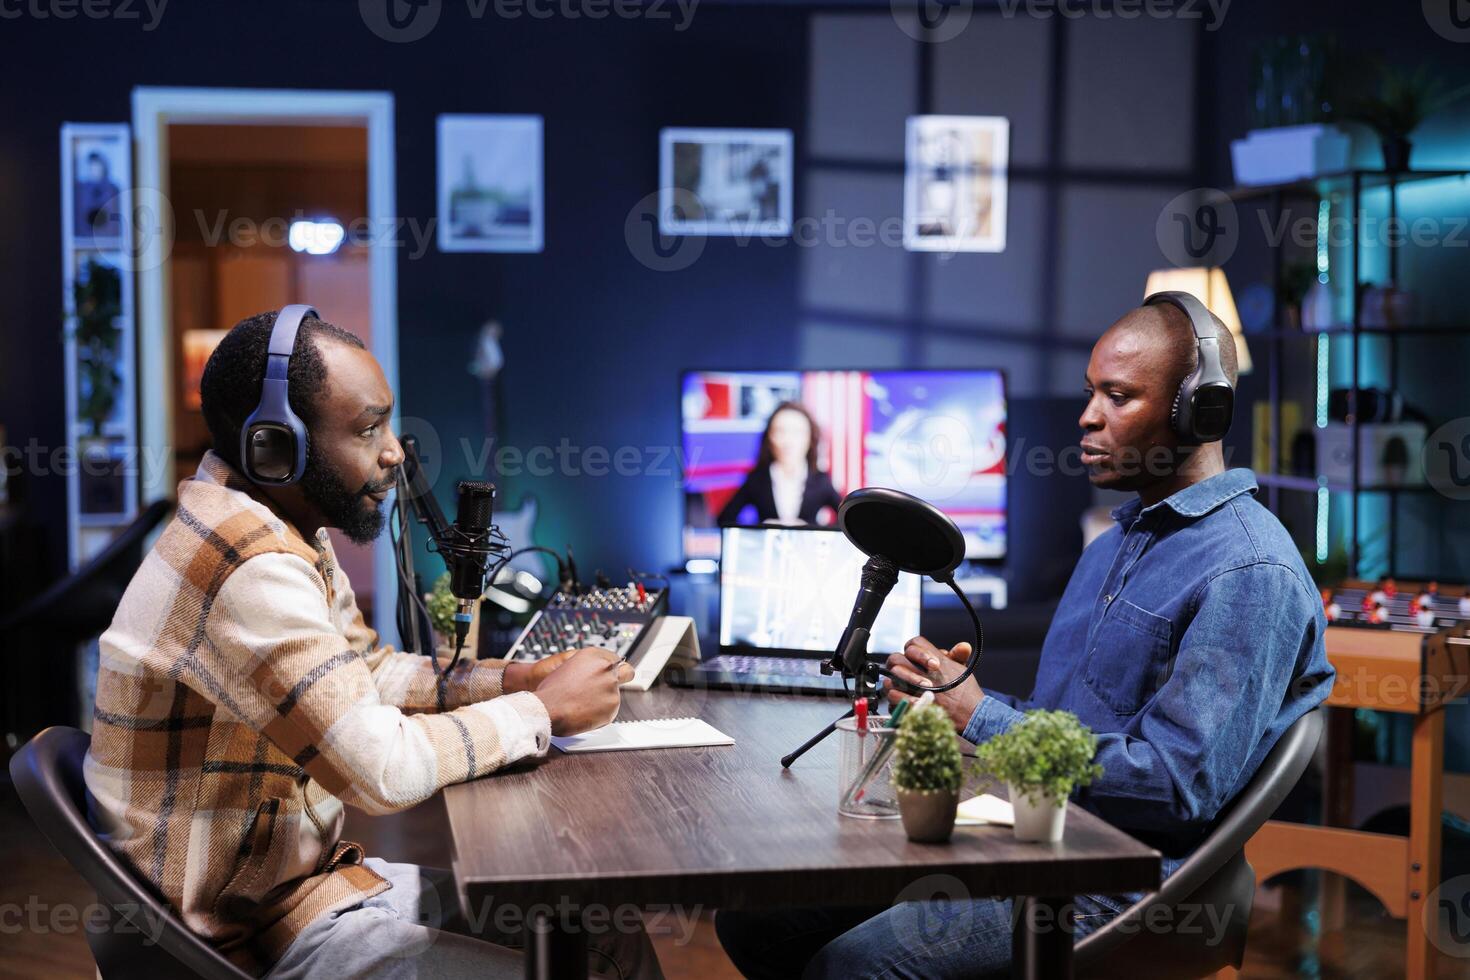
(242, 701)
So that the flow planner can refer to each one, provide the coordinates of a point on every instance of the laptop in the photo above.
(785, 597)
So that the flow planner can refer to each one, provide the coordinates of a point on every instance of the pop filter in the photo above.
(912, 533)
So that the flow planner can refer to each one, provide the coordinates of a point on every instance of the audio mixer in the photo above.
(612, 618)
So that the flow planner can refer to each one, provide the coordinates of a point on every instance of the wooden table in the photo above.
(1408, 673)
(727, 827)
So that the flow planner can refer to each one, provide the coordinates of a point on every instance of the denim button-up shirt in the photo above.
(1189, 638)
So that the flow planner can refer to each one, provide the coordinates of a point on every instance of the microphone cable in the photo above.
(970, 665)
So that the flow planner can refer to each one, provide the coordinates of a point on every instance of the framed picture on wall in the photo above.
(954, 189)
(98, 167)
(725, 181)
(490, 184)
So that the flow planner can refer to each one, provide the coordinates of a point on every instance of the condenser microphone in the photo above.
(909, 535)
(880, 575)
(470, 552)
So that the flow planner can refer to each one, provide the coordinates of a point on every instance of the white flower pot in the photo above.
(1041, 821)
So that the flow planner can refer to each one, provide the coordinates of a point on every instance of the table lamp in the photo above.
(1209, 286)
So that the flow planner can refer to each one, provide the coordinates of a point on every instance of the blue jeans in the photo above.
(920, 940)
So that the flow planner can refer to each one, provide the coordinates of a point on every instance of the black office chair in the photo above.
(48, 778)
(1216, 875)
(39, 638)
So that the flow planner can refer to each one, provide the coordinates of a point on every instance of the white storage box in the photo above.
(1284, 153)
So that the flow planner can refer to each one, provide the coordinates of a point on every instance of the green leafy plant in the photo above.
(1405, 99)
(926, 754)
(97, 301)
(1046, 754)
(442, 606)
(1296, 278)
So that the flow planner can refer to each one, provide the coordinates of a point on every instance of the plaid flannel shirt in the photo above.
(241, 700)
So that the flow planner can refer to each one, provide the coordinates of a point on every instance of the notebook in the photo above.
(985, 809)
(663, 733)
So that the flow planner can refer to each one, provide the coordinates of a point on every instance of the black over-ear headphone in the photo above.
(1205, 401)
(273, 439)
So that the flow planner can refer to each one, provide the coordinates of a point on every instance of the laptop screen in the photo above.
(790, 590)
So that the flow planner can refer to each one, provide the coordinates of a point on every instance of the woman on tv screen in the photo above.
(785, 486)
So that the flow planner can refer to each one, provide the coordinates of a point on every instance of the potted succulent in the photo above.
(927, 772)
(1042, 758)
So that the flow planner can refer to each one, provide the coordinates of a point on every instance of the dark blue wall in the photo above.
(1110, 119)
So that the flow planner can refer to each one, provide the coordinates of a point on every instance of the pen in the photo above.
(855, 795)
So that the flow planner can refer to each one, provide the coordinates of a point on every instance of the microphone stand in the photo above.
(852, 660)
(452, 544)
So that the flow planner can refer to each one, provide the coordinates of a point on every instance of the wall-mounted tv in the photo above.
(749, 458)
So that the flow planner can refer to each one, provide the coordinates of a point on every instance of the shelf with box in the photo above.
(1364, 441)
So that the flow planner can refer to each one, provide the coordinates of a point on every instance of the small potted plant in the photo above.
(1042, 758)
(442, 606)
(1403, 100)
(927, 772)
(1297, 279)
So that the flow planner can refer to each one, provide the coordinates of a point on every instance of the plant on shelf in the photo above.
(928, 770)
(1042, 758)
(1297, 277)
(1402, 101)
(97, 302)
(441, 605)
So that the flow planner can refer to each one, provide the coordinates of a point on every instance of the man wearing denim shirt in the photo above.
(1189, 638)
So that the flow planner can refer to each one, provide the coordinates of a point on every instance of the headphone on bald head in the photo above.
(1205, 401)
(273, 438)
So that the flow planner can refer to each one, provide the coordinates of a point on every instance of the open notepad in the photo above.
(664, 733)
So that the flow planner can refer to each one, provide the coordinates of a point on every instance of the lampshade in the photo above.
(1209, 286)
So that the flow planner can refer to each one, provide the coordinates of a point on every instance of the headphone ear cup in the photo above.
(1176, 421)
(270, 453)
(1211, 412)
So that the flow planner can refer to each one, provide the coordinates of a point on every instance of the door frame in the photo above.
(154, 110)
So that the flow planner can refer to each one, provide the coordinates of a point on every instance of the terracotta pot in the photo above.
(928, 817)
(1041, 821)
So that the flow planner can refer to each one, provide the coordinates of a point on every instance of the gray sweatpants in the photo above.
(417, 929)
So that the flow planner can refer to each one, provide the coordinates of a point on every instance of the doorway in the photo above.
(258, 192)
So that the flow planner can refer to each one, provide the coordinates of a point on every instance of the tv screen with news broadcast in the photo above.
(750, 456)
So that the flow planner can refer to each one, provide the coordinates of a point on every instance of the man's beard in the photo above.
(340, 504)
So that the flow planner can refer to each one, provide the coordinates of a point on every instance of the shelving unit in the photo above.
(1353, 184)
(103, 462)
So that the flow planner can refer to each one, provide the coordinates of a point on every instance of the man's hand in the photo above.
(925, 665)
(581, 693)
(528, 676)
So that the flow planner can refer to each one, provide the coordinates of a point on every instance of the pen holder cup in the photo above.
(857, 756)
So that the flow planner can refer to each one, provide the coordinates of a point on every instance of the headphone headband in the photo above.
(1205, 401)
(273, 438)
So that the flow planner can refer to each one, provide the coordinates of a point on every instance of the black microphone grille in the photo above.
(476, 505)
(880, 573)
